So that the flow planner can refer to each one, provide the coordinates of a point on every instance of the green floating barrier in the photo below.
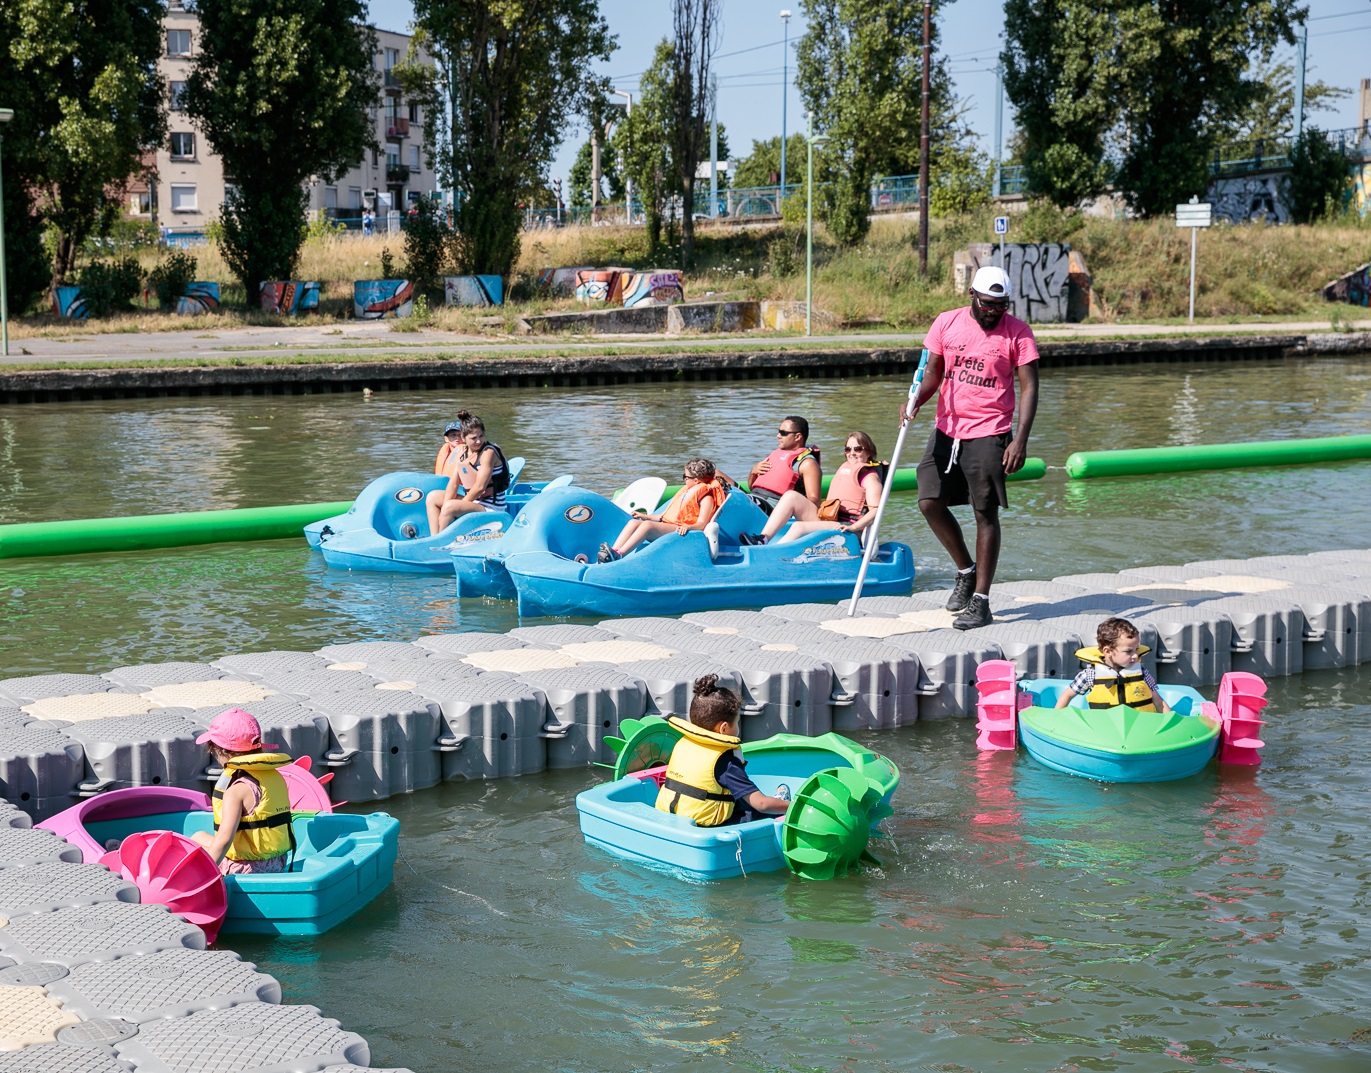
(1085, 464)
(86, 536)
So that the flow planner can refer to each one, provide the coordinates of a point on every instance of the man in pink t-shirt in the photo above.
(975, 356)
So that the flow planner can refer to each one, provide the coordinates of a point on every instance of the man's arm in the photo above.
(1017, 450)
(811, 476)
(933, 379)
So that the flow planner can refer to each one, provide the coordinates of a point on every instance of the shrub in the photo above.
(170, 277)
(1319, 177)
(110, 285)
(428, 245)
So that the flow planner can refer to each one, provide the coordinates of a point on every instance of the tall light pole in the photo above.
(923, 149)
(6, 114)
(628, 183)
(810, 143)
(785, 92)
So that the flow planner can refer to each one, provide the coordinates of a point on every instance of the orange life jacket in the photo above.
(445, 465)
(784, 473)
(684, 508)
(846, 487)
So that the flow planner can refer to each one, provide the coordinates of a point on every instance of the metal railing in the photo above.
(1266, 154)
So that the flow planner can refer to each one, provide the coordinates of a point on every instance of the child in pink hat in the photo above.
(252, 828)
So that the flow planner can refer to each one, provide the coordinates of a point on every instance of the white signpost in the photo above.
(1194, 215)
(1002, 229)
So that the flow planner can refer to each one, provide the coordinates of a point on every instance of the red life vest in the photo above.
(784, 473)
(846, 487)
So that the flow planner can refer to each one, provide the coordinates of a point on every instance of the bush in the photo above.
(428, 246)
(782, 258)
(1319, 177)
(110, 285)
(170, 277)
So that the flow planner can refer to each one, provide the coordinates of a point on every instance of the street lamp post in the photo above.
(628, 183)
(6, 114)
(785, 92)
(810, 143)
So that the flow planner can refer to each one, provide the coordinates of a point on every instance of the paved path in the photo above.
(363, 340)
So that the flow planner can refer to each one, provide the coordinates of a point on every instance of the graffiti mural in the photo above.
(70, 303)
(473, 290)
(289, 296)
(601, 286)
(1361, 187)
(375, 299)
(653, 289)
(1354, 288)
(560, 282)
(1039, 274)
(200, 297)
(1242, 199)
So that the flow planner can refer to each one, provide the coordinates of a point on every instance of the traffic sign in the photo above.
(1195, 213)
(1001, 225)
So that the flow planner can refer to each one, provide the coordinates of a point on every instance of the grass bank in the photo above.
(1140, 272)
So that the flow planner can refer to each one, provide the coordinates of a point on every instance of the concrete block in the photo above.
(713, 317)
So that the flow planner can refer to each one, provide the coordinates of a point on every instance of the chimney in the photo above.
(1364, 106)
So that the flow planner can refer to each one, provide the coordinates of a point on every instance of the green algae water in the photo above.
(1023, 920)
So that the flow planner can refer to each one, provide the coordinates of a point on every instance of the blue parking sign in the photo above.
(1001, 225)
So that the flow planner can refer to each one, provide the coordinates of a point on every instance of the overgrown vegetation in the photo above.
(170, 277)
(110, 285)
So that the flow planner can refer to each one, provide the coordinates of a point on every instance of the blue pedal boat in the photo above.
(342, 861)
(840, 792)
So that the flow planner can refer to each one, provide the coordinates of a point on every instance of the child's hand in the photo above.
(682, 530)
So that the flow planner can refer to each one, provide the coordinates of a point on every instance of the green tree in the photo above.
(1059, 72)
(1270, 114)
(578, 181)
(1320, 176)
(697, 31)
(858, 68)
(642, 143)
(758, 167)
(81, 76)
(513, 73)
(283, 90)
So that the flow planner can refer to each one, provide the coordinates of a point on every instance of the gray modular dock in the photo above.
(93, 982)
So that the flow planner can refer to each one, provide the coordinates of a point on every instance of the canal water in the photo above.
(1022, 920)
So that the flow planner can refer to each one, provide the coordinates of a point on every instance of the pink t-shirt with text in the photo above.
(977, 394)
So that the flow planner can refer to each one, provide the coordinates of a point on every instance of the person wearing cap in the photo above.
(444, 465)
(976, 357)
(252, 831)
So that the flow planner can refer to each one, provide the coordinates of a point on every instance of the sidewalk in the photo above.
(372, 340)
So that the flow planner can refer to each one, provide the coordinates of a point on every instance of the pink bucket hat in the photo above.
(235, 730)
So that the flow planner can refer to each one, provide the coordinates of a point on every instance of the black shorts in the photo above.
(977, 477)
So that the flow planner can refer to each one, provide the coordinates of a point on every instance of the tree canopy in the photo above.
(81, 76)
(642, 143)
(284, 91)
(513, 72)
(697, 32)
(758, 167)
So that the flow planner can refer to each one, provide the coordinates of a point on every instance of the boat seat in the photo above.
(643, 494)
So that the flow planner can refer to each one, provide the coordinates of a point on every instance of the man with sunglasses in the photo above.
(976, 355)
(793, 465)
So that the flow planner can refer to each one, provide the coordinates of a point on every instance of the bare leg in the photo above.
(944, 526)
(987, 548)
(790, 505)
(454, 509)
(642, 530)
(799, 529)
(433, 504)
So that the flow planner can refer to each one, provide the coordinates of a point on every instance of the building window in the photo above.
(183, 197)
(229, 191)
(413, 112)
(331, 198)
(354, 197)
(415, 158)
(140, 203)
(183, 147)
(178, 96)
(392, 57)
(178, 42)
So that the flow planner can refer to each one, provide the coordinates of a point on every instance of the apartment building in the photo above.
(190, 185)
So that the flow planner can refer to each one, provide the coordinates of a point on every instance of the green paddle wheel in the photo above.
(646, 742)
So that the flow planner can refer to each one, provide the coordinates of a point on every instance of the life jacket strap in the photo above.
(682, 789)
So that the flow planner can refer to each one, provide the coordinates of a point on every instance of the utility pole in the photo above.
(1301, 51)
(628, 182)
(785, 93)
(923, 146)
(713, 146)
(998, 188)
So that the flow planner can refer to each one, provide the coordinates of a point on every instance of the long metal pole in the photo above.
(1301, 50)
(999, 130)
(713, 146)
(785, 56)
(873, 541)
(1194, 231)
(809, 221)
(4, 293)
(923, 146)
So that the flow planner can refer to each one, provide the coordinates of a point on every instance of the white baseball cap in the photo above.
(991, 282)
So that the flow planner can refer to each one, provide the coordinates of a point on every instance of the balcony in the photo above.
(396, 174)
(397, 129)
(390, 81)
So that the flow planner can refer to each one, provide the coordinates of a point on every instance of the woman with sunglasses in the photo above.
(691, 508)
(855, 493)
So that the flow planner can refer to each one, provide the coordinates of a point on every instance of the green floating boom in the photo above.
(85, 536)
(1085, 464)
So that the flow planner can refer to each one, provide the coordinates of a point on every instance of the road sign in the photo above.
(1195, 214)
(1001, 225)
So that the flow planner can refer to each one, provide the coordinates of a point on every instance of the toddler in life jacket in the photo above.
(1115, 675)
(706, 778)
(252, 832)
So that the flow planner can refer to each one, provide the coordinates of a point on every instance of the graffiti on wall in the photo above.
(289, 296)
(69, 302)
(653, 289)
(601, 286)
(200, 297)
(1039, 274)
(1361, 187)
(473, 290)
(560, 282)
(1354, 287)
(1243, 199)
(375, 299)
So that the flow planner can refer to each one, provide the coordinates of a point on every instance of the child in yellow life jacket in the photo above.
(252, 832)
(706, 778)
(1115, 675)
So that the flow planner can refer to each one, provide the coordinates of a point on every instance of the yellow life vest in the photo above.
(265, 832)
(690, 788)
(1117, 687)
